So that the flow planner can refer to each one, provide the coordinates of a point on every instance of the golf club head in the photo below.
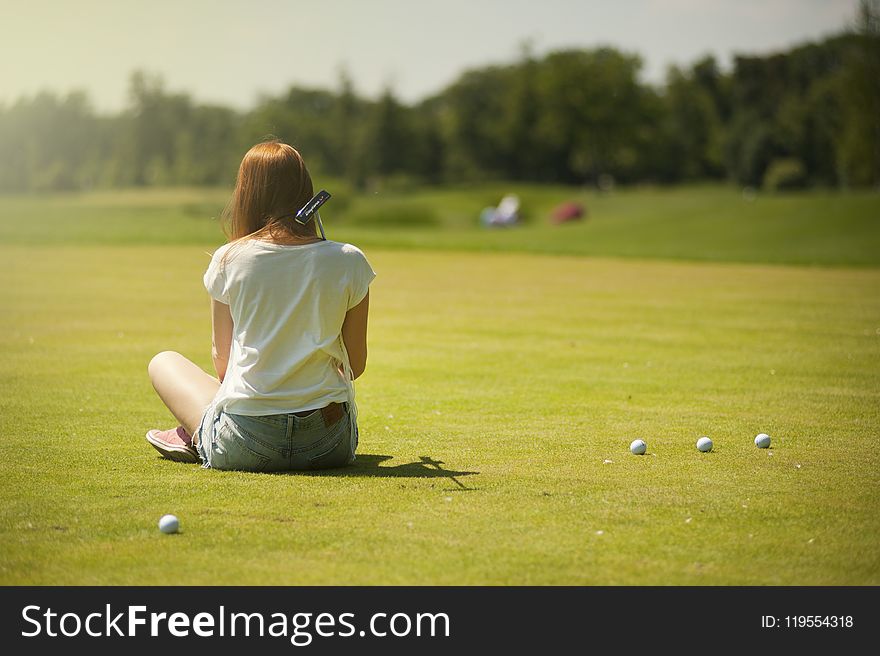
(311, 208)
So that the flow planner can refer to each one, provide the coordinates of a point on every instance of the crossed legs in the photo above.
(183, 386)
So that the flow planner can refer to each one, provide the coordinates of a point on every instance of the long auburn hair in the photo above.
(273, 184)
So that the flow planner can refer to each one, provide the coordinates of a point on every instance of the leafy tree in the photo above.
(859, 140)
(811, 114)
(390, 137)
(696, 125)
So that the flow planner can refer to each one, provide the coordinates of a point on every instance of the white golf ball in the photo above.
(704, 444)
(169, 524)
(762, 441)
(638, 447)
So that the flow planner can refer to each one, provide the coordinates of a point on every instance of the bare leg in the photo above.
(183, 386)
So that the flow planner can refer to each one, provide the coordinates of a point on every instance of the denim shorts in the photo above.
(275, 442)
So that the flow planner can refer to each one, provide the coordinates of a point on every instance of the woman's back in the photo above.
(289, 333)
(288, 304)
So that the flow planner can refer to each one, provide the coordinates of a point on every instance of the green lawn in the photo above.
(708, 223)
(502, 392)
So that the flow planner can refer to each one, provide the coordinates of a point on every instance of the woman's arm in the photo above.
(354, 334)
(221, 336)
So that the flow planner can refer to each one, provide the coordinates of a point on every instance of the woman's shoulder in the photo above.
(234, 253)
(346, 258)
(221, 251)
(344, 250)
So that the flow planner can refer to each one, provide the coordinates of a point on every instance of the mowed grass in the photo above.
(502, 393)
(523, 377)
(708, 223)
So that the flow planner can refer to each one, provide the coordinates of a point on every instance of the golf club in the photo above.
(311, 209)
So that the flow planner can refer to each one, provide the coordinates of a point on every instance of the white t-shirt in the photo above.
(287, 304)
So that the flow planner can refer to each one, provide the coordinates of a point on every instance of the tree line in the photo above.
(809, 116)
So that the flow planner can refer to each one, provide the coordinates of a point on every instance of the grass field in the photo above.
(694, 223)
(502, 392)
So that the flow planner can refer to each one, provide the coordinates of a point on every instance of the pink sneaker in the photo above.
(174, 443)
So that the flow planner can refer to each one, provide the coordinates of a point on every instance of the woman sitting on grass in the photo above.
(289, 330)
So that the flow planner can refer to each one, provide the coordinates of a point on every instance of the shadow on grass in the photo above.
(371, 465)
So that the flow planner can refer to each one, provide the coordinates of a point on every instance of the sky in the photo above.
(233, 51)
